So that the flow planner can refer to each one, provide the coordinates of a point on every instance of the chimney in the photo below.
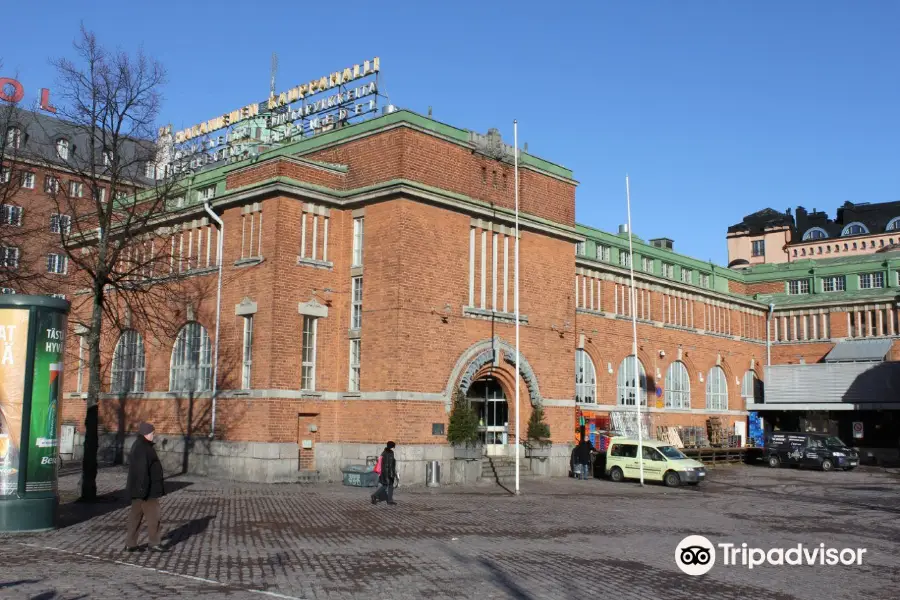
(623, 229)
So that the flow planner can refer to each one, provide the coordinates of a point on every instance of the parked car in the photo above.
(817, 450)
(662, 462)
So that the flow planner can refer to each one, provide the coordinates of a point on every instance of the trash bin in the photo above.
(360, 476)
(433, 473)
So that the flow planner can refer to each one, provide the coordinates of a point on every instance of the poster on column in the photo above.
(43, 452)
(13, 352)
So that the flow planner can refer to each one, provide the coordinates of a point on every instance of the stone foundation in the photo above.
(264, 462)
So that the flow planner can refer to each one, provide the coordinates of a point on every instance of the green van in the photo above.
(662, 462)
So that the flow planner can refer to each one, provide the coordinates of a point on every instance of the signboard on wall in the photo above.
(857, 430)
(41, 475)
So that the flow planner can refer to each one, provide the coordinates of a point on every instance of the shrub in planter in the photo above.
(462, 431)
(538, 435)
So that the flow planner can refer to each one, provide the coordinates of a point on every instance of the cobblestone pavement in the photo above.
(561, 539)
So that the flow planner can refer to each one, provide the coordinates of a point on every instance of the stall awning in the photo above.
(859, 351)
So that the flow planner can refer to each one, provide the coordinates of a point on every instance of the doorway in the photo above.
(489, 401)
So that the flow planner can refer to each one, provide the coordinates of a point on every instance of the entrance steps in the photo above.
(502, 469)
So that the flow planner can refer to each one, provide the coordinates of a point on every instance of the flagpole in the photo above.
(516, 288)
(634, 347)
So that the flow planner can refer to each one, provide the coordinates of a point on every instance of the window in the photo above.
(751, 388)
(120, 195)
(60, 223)
(4, 175)
(686, 275)
(11, 215)
(128, 370)
(308, 374)
(107, 158)
(579, 248)
(668, 270)
(51, 184)
(624, 258)
(357, 242)
(624, 450)
(816, 233)
(62, 149)
(855, 228)
(602, 252)
(354, 365)
(704, 280)
(716, 390)
(868, 281)
(150, 170)
(356, 303)
(100, 194)
(625, 382)
(7, 290)
(646, 264)
(893, 225)
(837, 283)
(9, 257)
(758, 248)
(57, 263)
(678, 386)
(76, 189)
(585, 378)
(191, 365)
(14, 138)
(247, 355)
(798, 286)
(28, 180)
(206, 193)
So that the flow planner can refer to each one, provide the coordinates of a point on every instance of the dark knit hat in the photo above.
(145, 429)
(391, 445)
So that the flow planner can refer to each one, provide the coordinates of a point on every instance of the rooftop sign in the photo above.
(300, 92)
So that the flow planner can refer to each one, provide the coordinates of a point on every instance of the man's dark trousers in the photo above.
(141, 509)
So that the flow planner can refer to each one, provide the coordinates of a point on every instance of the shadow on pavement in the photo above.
(806, 498)
(188, 530)
(9, 584)
(73, 513)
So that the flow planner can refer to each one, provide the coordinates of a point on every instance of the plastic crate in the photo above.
(360, 476)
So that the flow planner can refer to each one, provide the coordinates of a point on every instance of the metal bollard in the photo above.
(433, 473)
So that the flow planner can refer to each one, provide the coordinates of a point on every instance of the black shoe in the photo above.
(158, 548)
(133, 548)
(374, 499)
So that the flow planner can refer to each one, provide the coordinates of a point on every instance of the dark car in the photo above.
(817, 450)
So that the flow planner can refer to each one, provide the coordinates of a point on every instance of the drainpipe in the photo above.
(215, 389)
(768, 334)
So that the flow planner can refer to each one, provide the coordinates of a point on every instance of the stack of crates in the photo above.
(757, 436)
(718, 435)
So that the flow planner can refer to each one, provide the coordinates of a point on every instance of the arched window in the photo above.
(625, 382)
(893, 224)
(815, 233)
(855, 228)
(678, 386)
(585, 378)
(191, 366)
(716, 390)
(62, 148)
(128, 363)
(751, 388)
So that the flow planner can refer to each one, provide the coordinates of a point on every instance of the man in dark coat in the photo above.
(145, 488)
(583, 458)
(388, 476)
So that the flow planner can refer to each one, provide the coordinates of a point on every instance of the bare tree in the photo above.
(110, 208)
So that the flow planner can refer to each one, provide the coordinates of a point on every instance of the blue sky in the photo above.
(715, 109)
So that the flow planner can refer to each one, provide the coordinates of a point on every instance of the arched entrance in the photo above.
(489, 402)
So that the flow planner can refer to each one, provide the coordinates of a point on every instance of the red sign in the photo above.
(13, 92)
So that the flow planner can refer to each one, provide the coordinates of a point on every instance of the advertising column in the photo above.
(32, 342)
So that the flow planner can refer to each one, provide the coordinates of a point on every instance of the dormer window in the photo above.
(62, 149)
(893, 224)
(816, 233)
(855, 228)
(14, 138)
